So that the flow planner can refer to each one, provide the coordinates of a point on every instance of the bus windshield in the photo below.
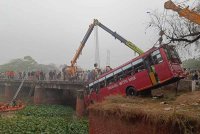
(172, 55)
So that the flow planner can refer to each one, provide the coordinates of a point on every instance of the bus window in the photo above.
(148, 62)
(118, 74)
(172, 55)
(96, 86)
(156, 56)
(91, 87)
(137, 61)
(139, 66)
(102, 82)
(128, 69)
(109, 79)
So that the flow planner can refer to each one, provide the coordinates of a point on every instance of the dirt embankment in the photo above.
(136, 115)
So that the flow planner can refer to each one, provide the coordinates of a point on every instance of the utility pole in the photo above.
(97, 59)
(108, 58)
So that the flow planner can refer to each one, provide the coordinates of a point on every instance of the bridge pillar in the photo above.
(9, 91)
(39, 94)
(80, 107)
(2, 90)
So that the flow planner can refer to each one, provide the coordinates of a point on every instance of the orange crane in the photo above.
(183, 12)
(72, 69)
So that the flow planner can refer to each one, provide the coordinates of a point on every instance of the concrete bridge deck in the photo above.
(42, 92)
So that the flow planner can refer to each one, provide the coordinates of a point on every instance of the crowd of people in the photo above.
(192, 74)
(31, 75)
(86, 76)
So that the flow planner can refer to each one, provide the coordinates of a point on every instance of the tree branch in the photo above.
(184, 40)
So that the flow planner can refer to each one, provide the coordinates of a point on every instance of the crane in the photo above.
(183, 12)
(71, 70)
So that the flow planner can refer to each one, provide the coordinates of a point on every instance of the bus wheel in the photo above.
(131, 92)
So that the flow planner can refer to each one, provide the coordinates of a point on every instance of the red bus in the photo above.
(154, 68)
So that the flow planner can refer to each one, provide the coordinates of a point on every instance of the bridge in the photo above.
(42, 92)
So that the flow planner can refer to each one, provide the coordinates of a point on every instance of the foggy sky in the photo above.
(51, 30)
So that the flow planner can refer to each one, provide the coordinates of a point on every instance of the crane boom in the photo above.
(120, 38)
(183, 12)
(78, 52)
(72, 69)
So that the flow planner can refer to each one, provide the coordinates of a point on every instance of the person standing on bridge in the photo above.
(20, 75)
(37, 75)
(8, 74)
(54, 75)
(12, 74)
(50, 75)
(91, 76)
(195, 75)
(41, 75)
(59, 76)
(24, 75)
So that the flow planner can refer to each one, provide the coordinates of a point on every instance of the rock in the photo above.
(195, 104)
(167, 108)
(158, 96)
(182, 104)
(163, 102)
(154, 97)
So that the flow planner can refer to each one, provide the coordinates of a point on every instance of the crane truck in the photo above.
(72, 69)
(183, 12)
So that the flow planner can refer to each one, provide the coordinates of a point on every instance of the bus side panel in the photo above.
(93, 97)
(103, 93)
(117, 90)
(142, 80)
(139, 81)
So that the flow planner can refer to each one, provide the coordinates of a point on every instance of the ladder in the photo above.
(17, 92)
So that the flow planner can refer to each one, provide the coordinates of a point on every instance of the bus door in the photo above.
(160, 67)
(141, 74)
(151, 70)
